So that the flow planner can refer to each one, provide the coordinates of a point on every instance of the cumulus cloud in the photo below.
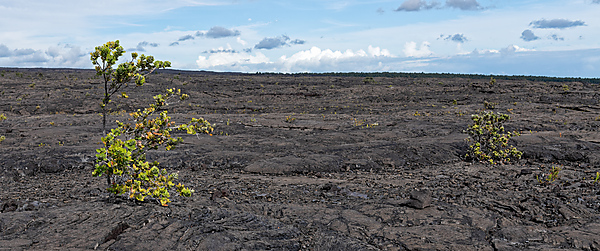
(141, 46)
(60, 55)
(556, 37)
(511, 49)
(219, 32)
(23, 52)
(186, 37)
(221, 50)
(556, 23)
(240, 41)
(511, 60)
(230, 60)
(269, 43)
(316, 58)
(312, 60)
(297, 41)
(528, 36)
(571, 63)
(417, 5)
(411, 50)
(459, 38)
(6, 52)
(67, 55)
(463, 4)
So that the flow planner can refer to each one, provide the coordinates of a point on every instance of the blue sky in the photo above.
(528, 37)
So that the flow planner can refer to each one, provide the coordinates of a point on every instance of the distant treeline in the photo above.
(352, 74)
(445, 75)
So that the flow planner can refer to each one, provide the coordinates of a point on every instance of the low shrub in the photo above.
(123, 157)
(2, 117)
(550, 177)
(488, 141)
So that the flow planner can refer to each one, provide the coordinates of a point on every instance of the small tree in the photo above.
(488, 140)
(106, 56)
(123, 157)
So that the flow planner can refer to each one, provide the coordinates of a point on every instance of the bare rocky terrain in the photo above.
(305, 162)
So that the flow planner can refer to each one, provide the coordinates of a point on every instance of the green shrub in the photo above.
(492, 81)
(489, 105)
(106, 56)
(2, 117)
(123, 157)
(487, 139)
(288, 119)
(550, 177)
(369, 80)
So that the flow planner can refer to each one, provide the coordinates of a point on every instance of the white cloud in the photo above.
(54, 56)
(378, 52)
(411, 50)
(514, 48)
(242, 42)
(509, 50)
(232, 60)
(511, 60)
(312, 60)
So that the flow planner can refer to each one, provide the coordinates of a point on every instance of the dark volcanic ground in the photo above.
(302, 162)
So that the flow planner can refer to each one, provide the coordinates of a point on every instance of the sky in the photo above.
(500, 37)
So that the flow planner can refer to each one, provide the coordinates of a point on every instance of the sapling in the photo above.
(123, 157)
(549, 177)
(106, 56)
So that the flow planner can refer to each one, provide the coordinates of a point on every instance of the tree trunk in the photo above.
(103, 121)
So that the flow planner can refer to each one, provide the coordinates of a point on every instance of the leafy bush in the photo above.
(369, 80)
(487, 139)
(106, 56)
(290, 119)
(489, 105)
(123, 157)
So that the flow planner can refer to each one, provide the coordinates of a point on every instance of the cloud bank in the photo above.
(312, 60)
(61, 55)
